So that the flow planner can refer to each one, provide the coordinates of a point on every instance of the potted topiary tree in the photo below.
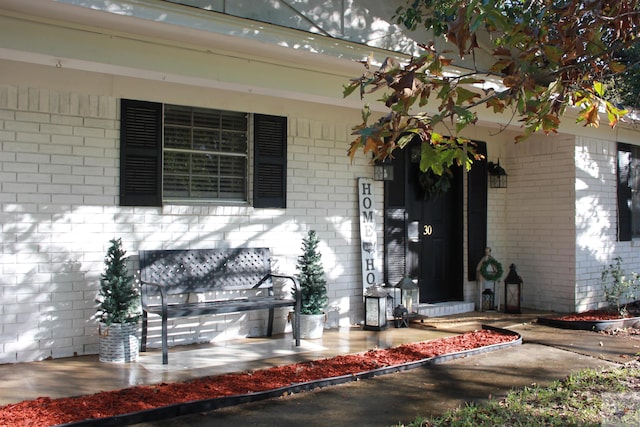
(313, 288)
(119, 309)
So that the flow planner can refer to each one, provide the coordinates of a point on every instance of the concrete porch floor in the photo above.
(86, 375)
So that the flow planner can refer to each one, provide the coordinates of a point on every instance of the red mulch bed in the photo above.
(592, 315)
(45, 411)
(633, 310)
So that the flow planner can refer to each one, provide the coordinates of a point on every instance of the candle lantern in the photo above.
(394, 301)
(409, 294)
(512, 291)
(375, 308)
(487, 299)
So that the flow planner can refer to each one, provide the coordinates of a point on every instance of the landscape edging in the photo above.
(591, 325)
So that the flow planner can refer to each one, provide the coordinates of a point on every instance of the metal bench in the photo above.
(237, 280)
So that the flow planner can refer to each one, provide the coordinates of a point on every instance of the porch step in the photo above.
(445, 308)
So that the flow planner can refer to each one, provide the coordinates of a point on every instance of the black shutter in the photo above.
(477, 211)
(395, 235)
(140, 153)
(625, 157)
(270, 163)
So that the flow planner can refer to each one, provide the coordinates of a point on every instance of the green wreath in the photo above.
(435, 185)
(491, 269)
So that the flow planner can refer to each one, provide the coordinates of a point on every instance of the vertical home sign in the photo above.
(368, 240)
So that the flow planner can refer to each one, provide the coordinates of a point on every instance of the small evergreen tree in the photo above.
(313, 286)
(119, 298)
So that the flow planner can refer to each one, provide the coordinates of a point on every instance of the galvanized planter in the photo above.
(311, 326)
(119, 342)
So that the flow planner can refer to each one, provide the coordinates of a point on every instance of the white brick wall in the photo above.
(58, 197)
(561, 219)
(596, 221)
(539, 220)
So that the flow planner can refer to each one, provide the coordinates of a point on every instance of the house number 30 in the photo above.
(427, 230)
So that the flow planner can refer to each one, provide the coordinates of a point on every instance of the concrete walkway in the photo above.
(546, 354)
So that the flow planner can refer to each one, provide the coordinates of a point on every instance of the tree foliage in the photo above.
(624, 88)
(546, 55)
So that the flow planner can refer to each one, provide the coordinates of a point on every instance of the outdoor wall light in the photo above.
(497, 175)
(383, 171)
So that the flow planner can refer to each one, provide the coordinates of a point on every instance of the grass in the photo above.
(587, 398)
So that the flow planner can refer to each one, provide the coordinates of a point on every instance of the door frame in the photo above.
(397, 194)
(396, 221)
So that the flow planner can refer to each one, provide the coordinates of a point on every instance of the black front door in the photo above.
(423, 230)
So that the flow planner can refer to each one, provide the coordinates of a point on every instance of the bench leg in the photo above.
(143, 339)
(270, 324)
(296, 328)
(165, 346)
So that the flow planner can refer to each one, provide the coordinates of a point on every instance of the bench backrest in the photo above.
(205, 270)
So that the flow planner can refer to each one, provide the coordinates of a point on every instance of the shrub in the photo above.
(619, 290)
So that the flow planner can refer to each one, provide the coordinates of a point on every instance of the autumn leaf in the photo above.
(371, 145)
(354, 148)
(497, 105)
(617, 67)
(500, 67)
(405, 86)
(512, 81)
(598, 88)
(550, 123)
(458, 31)
(614, 114)
(405, 139)
(553, 53)
(435, 67)
(429, 159)
(590, 115)
(349, 89)
(366, 113)
(464, 95)
(501, 51)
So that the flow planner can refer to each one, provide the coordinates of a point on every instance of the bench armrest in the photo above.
(278, 276)
(161, 288)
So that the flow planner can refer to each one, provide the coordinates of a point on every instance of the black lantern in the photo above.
(487, 299)
(383, 171)
(409, 294)
(512, 291)
(497, 175)
(401, 317)
(375, 308)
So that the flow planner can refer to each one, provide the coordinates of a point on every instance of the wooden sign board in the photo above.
(368, 235)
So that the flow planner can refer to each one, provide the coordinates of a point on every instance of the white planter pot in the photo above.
(119, 342)
(311, 326)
